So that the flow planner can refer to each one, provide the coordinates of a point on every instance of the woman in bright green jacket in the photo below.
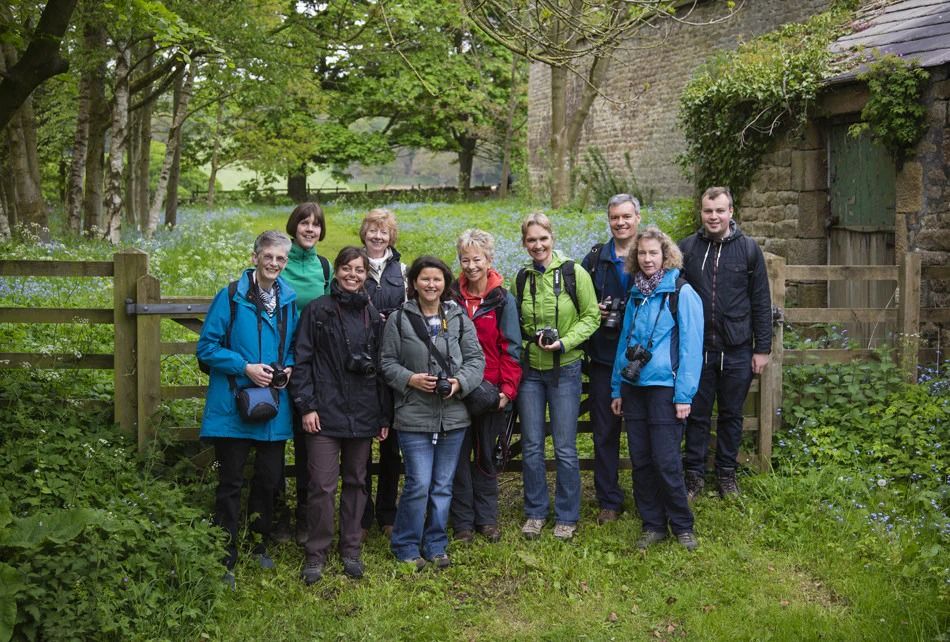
(559, 312)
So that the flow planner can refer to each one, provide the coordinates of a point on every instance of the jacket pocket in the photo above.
(736, 329)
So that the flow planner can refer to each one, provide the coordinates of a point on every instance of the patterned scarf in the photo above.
(376, 266)
(648, 285)
(268, 298)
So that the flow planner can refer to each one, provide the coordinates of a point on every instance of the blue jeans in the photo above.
(561, 392)
(606, 428)
(725, 380)
(423, 511)
(654, 435)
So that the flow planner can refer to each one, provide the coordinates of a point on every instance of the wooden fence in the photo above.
(138, 308)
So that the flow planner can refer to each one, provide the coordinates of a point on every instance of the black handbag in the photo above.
(484, 398)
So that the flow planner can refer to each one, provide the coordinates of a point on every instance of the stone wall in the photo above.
(643, 86)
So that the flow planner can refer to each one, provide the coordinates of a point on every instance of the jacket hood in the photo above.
(451, 308)
(734, 233)
(494, 280)
(355, 300)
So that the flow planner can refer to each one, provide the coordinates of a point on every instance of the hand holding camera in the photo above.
(548, 339)
(267, 375)
(611, 313)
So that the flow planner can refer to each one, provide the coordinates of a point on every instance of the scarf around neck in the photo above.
(648, 285)
(376, 266)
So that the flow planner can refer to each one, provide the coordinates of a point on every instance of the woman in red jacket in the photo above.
(494, 312)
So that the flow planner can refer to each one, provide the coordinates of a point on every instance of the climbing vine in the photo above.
(737, 104)
(894, 113)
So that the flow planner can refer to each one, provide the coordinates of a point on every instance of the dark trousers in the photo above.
(329, 459)
(606, 431)
(475, 488)
(725, 381)
(268, 462)
(654, 435)
(387, 485)
(301, 476)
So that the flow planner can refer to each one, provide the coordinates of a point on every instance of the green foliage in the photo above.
(599, 182)
(735, 107)
(894, 113)
(100, 549)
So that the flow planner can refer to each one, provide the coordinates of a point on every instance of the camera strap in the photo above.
(423, 333)
(281, 327)
(366, 332)
(656, 321)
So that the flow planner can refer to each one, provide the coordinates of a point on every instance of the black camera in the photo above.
(637, 356)
(279, 378)
(443, 387)
(546, 336)
(362, 364)
(614, 318)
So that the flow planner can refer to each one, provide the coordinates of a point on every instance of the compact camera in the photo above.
(443, 387)
(546, 336)
(362, 364)
(614, 318)
(637, 356)
(279, 378)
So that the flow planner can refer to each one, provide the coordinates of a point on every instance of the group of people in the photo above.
(431, 366)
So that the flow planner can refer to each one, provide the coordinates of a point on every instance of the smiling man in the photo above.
(605, 264)
(727, 269)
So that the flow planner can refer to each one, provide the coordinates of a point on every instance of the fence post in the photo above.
(909, 315)
(150, 360)
(129, 265)
(770, 381)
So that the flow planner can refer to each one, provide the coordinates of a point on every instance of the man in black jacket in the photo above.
(727, 269)
(605, 264)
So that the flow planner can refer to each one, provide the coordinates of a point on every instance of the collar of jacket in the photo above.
(734, 233)
(449, 308)
(287, 293)
(557, 259)
(354, 300)
(666, 285)
(301, 255)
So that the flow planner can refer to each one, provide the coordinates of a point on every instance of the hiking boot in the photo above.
(312, 572)
(728, 486)
(441, 562)
(565, 532)
(353, 567)
(265, 561)
(649, 538)
(607, 515)
(532, 528)
(491, 532)
(228, 579)
(417, 563)
(695, 485)
(688, 540)
(463, 536)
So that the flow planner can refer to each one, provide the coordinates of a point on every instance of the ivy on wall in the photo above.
(894, 113)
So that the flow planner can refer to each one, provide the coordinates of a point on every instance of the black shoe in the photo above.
(695, 485)
(688, 540)
(265, 561)
(728, 486)
(353, 567)
(464, 536)
(441, 561)
(649, 538)
(312, 572)
(491, 532)
(281, 532)
(228, 579)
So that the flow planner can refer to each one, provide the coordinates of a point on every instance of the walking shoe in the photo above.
(441, 562)
(464, 536)
(532, 528)
(312, 572)
(265, 561)
(491, 532)
(565, 532)
(695, 485)
(688, 540)
(417, 563)
(281, 532)
(728, 486)
(388, 531)
(353, 567)
(228, 578)
(649, 538)
(607, 515)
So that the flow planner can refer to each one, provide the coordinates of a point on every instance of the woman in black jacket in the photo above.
(342, 406)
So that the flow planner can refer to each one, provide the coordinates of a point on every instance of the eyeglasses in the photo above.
(270, 258)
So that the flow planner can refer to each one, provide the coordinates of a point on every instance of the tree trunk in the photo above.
(140, 138)
(95, 37)
(466, 156)
(215, 152)
(171, 196)
(117, 144)
(7, 184)
(509, 130)
(177, 120)
(297, 185)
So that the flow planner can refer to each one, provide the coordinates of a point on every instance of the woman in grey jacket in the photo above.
(430, 356)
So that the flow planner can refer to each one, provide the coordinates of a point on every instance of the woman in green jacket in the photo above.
(559, 312)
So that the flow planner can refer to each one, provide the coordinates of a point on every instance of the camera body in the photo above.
(615, 309)
(361, 363)
(546, 336)
(443, 387)
(279, 378)
(637, 356)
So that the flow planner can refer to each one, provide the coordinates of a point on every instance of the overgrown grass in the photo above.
(819, 550)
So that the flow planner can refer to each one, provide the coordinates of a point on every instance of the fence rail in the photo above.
(139, 307)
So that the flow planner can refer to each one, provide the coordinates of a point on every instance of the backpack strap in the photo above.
(570, 282)
(673, 301)
(325, 264)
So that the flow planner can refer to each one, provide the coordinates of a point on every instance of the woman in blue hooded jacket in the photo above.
(655, 375)
(241, 353)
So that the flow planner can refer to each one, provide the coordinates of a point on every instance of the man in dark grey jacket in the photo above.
(727, 269)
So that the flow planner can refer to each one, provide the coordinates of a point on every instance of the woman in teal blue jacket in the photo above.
(241, 353)
(655, 375)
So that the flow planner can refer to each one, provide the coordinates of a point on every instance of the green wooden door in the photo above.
(861, 182)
